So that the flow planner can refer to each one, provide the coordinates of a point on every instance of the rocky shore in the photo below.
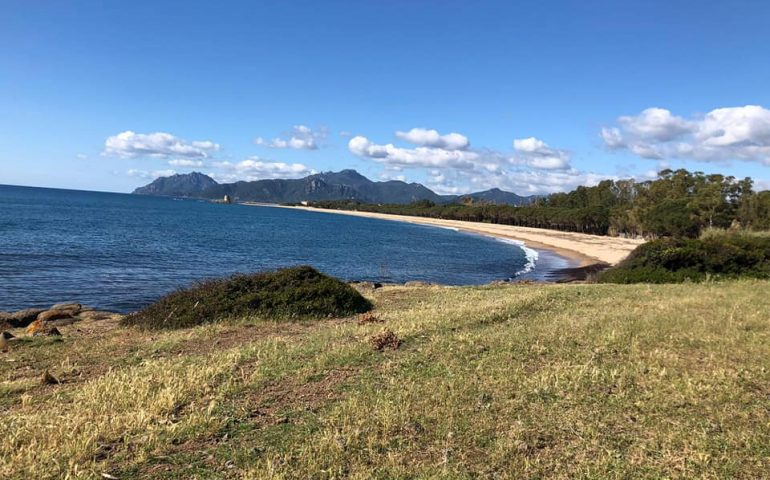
(49, 321)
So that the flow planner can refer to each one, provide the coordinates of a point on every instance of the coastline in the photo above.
(583, 249)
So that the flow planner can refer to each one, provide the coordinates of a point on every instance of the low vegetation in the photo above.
(527, 381)
(716, 255)
(290, 293)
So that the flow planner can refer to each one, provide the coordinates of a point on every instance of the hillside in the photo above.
(528, 381)
(343, 185)
(500, 197)
(180, 185)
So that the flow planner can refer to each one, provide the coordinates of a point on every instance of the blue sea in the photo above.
(120, 252)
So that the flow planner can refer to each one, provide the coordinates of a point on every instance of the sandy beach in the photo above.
(583, 248)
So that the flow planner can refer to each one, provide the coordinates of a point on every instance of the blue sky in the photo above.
(459, 95)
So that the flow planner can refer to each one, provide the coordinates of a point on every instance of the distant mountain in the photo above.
(499, 197)
(343, 185)
(180, 185)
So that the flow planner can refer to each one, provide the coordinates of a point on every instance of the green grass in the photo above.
(529, 381)
(290, 293)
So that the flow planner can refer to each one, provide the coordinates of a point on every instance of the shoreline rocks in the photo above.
(19, 319)
(47, 321)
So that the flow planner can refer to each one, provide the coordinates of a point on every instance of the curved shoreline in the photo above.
(582, 248)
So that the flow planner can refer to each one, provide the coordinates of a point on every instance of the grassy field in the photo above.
(554, 381)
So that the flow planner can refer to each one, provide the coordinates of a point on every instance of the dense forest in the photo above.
(678, 203)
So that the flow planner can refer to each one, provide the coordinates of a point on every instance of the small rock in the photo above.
(3, 343)
(62, 322)
(39, 328)
(67, 306)
(49, 315)
(49, 379)
(21, 318)
(34, 327)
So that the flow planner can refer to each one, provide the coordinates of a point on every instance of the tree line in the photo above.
(678, 203)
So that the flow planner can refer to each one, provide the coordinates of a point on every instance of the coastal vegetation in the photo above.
(677, 204)
(716, 255)
(517, 381)
(289, 293)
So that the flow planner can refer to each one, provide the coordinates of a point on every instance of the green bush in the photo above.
(675, 260)
(290, 293)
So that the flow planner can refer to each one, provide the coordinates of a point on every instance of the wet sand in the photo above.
(586, 250)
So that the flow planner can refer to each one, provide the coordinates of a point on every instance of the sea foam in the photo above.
(530, 254)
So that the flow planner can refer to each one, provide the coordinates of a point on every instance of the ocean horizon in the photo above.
(120, 252)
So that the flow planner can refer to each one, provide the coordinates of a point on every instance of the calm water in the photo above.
(120, 252)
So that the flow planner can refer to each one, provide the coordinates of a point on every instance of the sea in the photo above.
(120, 252)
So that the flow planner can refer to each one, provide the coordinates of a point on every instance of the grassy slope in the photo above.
(562, 381)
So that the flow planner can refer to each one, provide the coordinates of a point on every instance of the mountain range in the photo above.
(343, 185)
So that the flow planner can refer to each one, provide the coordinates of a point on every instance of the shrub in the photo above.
(675, 260)
(290, 293)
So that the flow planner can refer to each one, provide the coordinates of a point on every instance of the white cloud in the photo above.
(431, 138)
(149, 175)
(184, 162)
(162, 145)
(82, 156)
(454, 167)
(532, 182)
(428, 157)
(301, 137)
(655, 124)
(255, 168)
(723, 134)
(537, 154)
(391, 175)
(761, 185)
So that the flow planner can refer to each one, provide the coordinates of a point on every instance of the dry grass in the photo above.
(567, 381)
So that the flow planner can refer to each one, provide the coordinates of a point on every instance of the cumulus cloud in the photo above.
(149, 175)
(185, 162)
(129, 144)
(431, 138)
(761, 185)
(255, 168)
(429, 157)
(454, 167)
(532, 182)
(723, 134)
(392, 175)
(537, 154)
(301, 137)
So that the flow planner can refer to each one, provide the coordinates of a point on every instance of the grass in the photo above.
(556, 381)
(289, 293)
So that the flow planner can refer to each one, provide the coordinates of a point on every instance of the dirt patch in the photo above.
(369, 317)
(386, 340)
(266, 404)
(261, 406)
(109, 343)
